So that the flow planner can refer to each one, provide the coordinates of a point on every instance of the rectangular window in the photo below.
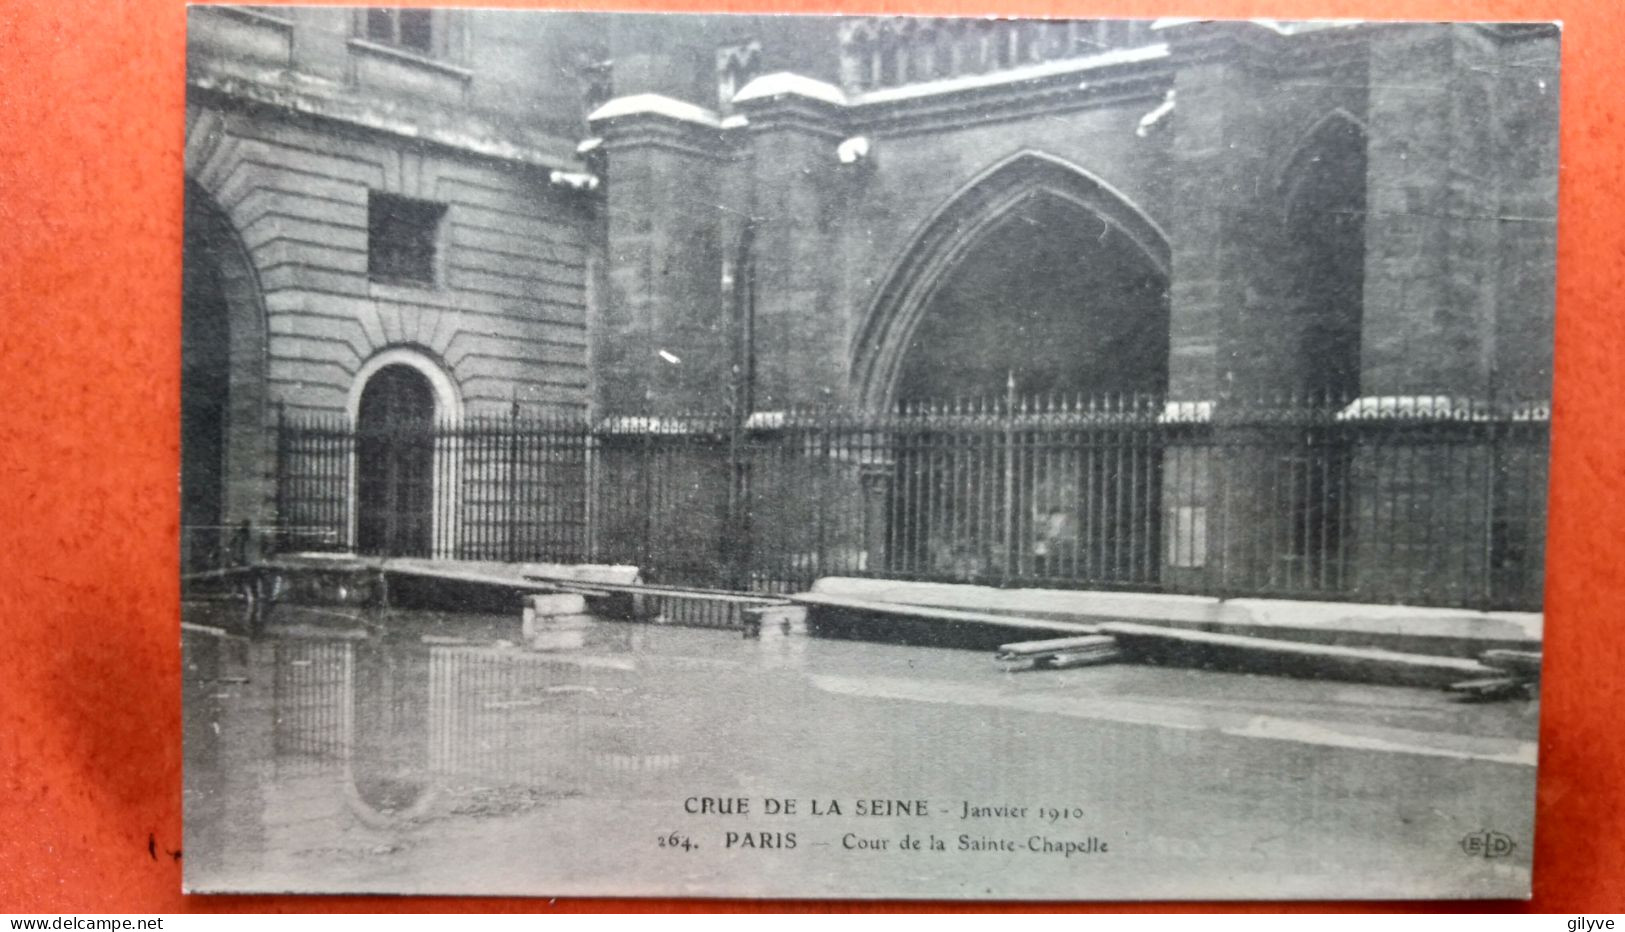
(407, 28)
(401, 237)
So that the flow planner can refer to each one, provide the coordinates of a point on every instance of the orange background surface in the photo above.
(91, 126)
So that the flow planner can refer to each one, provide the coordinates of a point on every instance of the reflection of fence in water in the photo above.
(499, 714)
(509, 716)
(313, 689)
(410, 730)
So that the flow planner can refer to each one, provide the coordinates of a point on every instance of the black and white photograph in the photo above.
(863, 457)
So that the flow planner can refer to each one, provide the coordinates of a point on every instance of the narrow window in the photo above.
(737, 66)
(411, 29)
(415, 31)
(401, 237)
(381, 24)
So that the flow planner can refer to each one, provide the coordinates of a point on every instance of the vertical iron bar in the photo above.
(1009, 473)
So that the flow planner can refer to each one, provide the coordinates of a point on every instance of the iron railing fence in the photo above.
(479, 488)
(1423, 499)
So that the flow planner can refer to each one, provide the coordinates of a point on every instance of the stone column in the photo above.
(1432, 211)
(800, 331)
(1224, 237)
(661, 337)
(1222, 228)
(1422, 510)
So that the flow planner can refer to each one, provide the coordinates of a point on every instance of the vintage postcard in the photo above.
(856, 457)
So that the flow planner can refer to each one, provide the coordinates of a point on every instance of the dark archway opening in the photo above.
(222, 391)
(1052, 294)
(1326, 253)
(395, 464)
(205, 391)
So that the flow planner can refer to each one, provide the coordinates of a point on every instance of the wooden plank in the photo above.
(1524, 662)
(941, 614)
(1489, 690)
(1293, 658)
(1067, 661)
(448, 574)
(1062, 653)
(209, 630)
(1057, 645)
(675, 592)
(225, 572)
(589, 593)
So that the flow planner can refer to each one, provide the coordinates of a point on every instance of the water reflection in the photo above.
(404, 722)
(425, 753)
(306, 733)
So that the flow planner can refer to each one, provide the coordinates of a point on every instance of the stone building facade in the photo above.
(1362, 209)
(368, 189)
(635, 215)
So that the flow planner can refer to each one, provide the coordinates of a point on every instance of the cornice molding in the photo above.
(470, 136)
(793, 112)
(660, 122)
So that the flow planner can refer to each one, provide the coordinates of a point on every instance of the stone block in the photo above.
(547, 640)
(554, 613)
(616, 574)
(564, 603)
(774, 622)
(556, 632)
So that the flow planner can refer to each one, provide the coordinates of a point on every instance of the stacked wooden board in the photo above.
(1058, 644)
(844, 617)
(1516, 676)
(1242, 653)
(1061, 653)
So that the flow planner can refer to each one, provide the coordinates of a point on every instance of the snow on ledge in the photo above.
(1169, 22)
(787, 83)
(1299, 27)
(853, 151)
(783, 83)
(1440, 408)
(1060, 66)
(1151, 119)
(656, 105)
(1277, 26)
(1186, 412)
(576, 181)
(735, 121)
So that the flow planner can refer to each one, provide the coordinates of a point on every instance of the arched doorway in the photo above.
(1040, 274)
(395, 453)
(223, 389)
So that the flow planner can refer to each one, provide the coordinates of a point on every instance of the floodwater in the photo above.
(439, 757)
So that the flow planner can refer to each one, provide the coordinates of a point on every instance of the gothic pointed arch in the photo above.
(1333, 131)
(1322, 189)
(1035, 208)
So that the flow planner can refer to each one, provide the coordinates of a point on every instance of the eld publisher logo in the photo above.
(1487, 844)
